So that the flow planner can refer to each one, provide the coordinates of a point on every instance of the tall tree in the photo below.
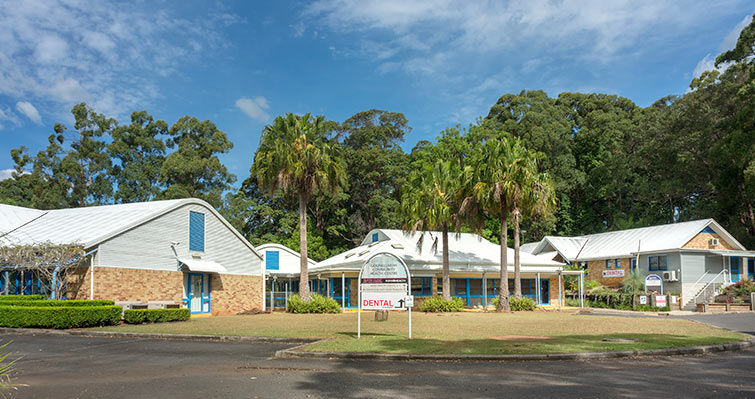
(139, 151)
(73, 170)
(194, 169)
(432, 200)
(295, 154)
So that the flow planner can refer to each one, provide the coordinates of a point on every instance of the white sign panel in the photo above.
(653, 280)
(384, 285)
(660, 301)
(643, 300)
(613, 273)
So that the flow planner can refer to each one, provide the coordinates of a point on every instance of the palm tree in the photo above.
(294, 154)
(532, 192)
(431, 201)
(496, 162)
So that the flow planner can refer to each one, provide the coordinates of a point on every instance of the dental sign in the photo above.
(384, 283)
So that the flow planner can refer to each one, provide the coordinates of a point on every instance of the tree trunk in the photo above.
(304, 274)
(446, 271)
(517, 267)
(503, 291)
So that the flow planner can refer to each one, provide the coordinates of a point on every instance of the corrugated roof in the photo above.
(12, 217)
(90, 226)
(627, 242)
(466, 252)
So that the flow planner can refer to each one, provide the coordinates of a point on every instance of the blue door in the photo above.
(734, 268)
(198, 292)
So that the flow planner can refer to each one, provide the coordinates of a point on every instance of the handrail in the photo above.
(712, 281)
(700, 279)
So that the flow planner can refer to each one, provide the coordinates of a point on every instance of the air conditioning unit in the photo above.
(714, 242)
(670, 276)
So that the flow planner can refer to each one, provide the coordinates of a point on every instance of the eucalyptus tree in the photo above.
(295, 154)
(432, 201)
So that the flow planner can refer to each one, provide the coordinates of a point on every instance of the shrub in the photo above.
(521, 304)
(633, 283)
(742, 289)
(53, 303)
(317, 304)
(59, 317)
(137, 316)
(591, 284)
(438, 304)
(22, 297)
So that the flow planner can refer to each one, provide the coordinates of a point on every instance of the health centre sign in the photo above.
(384, 284)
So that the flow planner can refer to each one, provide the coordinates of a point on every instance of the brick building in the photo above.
(176, 250)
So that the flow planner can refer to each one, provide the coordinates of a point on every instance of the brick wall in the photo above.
(702, 241)
(233, 294)
(595, 270)
(121, 284)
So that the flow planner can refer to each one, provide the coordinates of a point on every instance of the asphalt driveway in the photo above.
(80, 367)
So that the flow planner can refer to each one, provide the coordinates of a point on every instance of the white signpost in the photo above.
(384, 284)
(653, 280)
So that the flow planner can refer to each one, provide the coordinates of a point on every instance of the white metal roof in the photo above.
(90, 226)
(284, 268)
(628, 242)
(12, 217)
(202, 266)
(467, 252)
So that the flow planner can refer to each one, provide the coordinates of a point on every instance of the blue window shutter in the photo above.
(375, 237)
(272, 260)
(708, 230)
(196, 231)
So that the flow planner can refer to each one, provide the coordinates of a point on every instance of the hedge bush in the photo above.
(517, 305)
(137, 316)
(438, 304)
(63, 303)
(59, 317)
(317, 304)
(22, 297)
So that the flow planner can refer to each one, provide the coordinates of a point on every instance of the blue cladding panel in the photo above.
(272, 260)
(375, 237)
(196, 231)
(708, 230)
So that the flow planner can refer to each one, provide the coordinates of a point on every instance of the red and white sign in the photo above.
(613, 273)
(660, 301)
(384, 283)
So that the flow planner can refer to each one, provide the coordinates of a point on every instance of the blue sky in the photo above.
(240, 64)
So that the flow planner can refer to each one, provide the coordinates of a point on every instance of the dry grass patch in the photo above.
(466, 332)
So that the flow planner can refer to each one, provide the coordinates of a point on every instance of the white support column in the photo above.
(343, 291)
(559, 289)
(484, 292)
(539, 290)
(91, 277)
(272, 288)
(582, 289)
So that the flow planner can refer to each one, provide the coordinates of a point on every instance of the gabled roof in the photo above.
(627, 242)
(13, 217)
(274, 246)
(90, 226)
(466, 252)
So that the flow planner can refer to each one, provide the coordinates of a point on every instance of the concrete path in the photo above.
(80, 367)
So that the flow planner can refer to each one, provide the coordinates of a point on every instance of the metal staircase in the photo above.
(705, 289)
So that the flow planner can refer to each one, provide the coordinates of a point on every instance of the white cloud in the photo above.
(254, 108)
(708, 63)
(56, 53)
(6, 173)
(6, 114)
(30, 111)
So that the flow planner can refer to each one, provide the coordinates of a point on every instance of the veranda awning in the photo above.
(201, 266)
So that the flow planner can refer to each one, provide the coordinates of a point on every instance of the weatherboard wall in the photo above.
(148, 246)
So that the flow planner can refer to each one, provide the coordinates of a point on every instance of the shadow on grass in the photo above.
(352, 334)
(347, 342)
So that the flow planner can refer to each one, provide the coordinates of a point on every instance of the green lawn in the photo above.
(457, 333)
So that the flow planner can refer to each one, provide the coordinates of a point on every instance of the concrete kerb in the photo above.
(682, 351)
(183, 337)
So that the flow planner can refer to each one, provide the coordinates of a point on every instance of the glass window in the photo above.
(422, 286)
(337, 291)
(439, 287)
(196, 231)
(461, 286)
(492, 287)
(657, 262)
(618, 263)
(633, 263)
(475, 286)
(608, 263)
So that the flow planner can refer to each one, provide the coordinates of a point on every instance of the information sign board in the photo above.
(384, 284)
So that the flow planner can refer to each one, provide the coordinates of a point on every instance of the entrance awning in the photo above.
(202, 266)
(734, 253)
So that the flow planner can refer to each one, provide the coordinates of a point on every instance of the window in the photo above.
(196, 231)
(608, 263)
(633, 264)
(272, 260)
(422, 286)
(618, 264)
(734, 268)
(583, 265)
(657, 263)
(375, 237)
(491, 287)
(461, 287)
